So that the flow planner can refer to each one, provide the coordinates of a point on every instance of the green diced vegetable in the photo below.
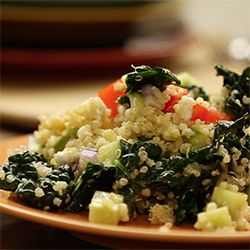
(198, 141)
(217, 218)
(109, 153)
(107, 208)
(63, 139)
(235, 201)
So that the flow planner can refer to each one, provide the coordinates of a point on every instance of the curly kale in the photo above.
(50, 192)
(196, 91)
(22, 177)
(143, 75)
(122, 100)
(29, 192)
(231, 135)
(19, 167)
(238, 87)
(95, 177)
(167, 177)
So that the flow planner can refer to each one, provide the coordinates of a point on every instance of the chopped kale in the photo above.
(29, 193)
(168, 177)
(196, 91)
(123, 100)
(143, 75)
(95, 177)
(22, 177)
(238, 87)
(19, 167)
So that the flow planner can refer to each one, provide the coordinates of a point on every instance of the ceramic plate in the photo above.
(138, 232)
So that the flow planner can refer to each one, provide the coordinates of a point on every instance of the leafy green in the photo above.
(20, 166)
(123, 100)
(95, 177)
(188, 190)
(143, 75)
(25, 180)
(196, 91)
(26, 190)
(63, 139)
(238, 87)
(232, 135)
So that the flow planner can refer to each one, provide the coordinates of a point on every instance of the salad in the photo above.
(152, 143)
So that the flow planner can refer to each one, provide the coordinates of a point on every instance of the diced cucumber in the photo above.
(137, 102)
(62, 140)
(109, 153)
(198, 141)
(248, 194)
(107, 208)
(186, 78)
(235, 201)
(218, 218)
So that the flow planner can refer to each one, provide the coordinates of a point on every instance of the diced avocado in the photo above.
(62, 140)
(235, 201)
(217, 218)
(107, 208)
(109, 153)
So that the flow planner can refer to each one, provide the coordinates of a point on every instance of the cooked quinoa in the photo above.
(165, 154)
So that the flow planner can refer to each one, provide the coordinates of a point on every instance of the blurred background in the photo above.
(55, 54)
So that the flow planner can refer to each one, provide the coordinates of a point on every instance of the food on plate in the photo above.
(152, 143)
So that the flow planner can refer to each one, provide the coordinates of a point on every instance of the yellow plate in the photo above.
(139, 232)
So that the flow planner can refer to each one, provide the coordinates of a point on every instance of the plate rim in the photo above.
(54, 219)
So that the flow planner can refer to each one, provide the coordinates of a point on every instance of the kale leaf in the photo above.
(29, 191)
(95, 177)
(238, 87)
(196, 91)
(20, 166)
(167, 177)
(143, 75)
(22, 177)
(122, 100)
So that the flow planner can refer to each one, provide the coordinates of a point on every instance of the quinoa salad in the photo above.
(152, 143)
